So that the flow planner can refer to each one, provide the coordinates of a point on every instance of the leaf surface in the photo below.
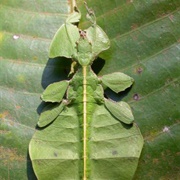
(26, 30)
(144, 44)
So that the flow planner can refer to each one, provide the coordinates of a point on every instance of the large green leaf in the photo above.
(144, 44)
(26, 30)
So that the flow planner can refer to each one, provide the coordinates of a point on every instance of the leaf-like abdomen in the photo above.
(113, 148)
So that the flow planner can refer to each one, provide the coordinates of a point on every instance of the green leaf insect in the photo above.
(82, 135)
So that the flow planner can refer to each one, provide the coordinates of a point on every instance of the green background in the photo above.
(145, 36)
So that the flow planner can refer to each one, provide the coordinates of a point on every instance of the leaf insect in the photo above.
(82, 134)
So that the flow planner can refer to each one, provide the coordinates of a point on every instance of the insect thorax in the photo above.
(94, 91)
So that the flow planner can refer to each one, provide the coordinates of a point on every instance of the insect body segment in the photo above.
(84, 52)
(84, 135)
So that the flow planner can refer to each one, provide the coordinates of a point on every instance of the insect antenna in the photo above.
(90, 14)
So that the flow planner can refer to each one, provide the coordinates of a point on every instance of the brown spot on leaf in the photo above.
(9, 155)
(4, 114)
(18, 107)
(136, 97)
(171, 17)
(129, 1)
(139, 70)
(155, 161)
(134, 26)
(4, 132)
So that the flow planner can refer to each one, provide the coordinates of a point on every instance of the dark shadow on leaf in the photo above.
(56, 69)
(116, 96)
(44, 127)
(126, 126)
(41, 107)
(97, 65)
(30, 173)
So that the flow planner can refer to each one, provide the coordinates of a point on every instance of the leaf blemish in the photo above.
(15, 37)
(9, 155)
(55, 154)
(136, 97)
(139, 70)
(171, 17)
(4, 114)
(165, 129)
(114, 152)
